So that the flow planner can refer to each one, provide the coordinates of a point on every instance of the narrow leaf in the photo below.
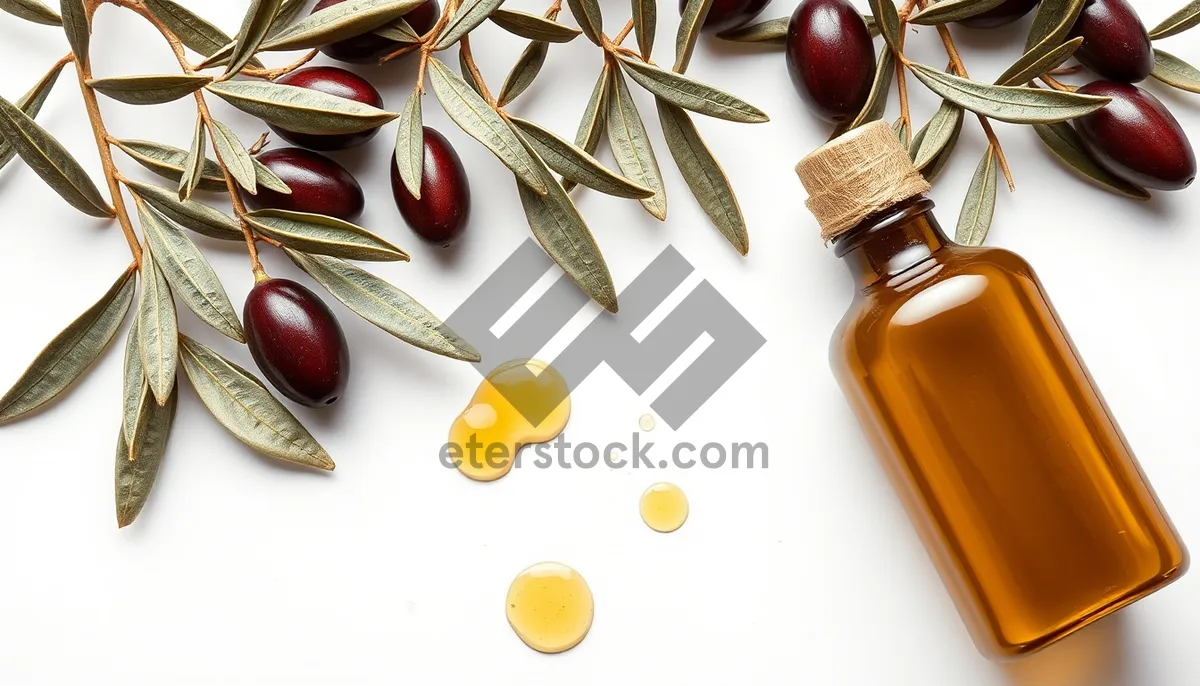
(947, 11)
(152, 89)
(31, 104)
(704, 175)
(410, 145)
(241, 403)
(71, 352)
(384, 305)
(876, 102)
(339, 22)
(193, 169)
(1052, 23)
(631, 146)
(1065, 143)
(288, 11)
(689, 94)
(77, 26)
(137, 464)
(255, 25)
(772, 32)
(690, 23)
(316, 233)
(888, 21)
(975, 218)
(532, 26)
(51, 161)
(1175, 72)
(169, 162)
(1037, 62)
(398, 30)
(31, 10)
(134, 389)
(645, 21)
(592, 124)
(1015, 104)
(192, 30)
(471, 13)
(268, 179)
(1179, 22)
(576, 164)
(944, 127)
(158, 329)
(188, 213)
(900, 128)
(528, 65)
(472, 113)
(301, 110)
(589, 17)
(233, 155)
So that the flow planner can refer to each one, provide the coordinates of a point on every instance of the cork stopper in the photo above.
(856, 175)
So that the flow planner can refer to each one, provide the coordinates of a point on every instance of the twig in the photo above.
(1056, 84)
(901, 77)
(464, 45)
(425, 44)
(272, 74)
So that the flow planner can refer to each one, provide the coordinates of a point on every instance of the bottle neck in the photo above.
(891, 242)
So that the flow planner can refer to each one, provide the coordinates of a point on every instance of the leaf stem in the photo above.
(425, 45)
(272, 74)
(1056, 84)
(901, 76)
(465, 46)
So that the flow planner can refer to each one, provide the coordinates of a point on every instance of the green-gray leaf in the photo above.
(703, 175)
(876, 102)
(288, 11)
(255, 25)
(690, 23)
(194, 164)
(591, 125)
(589, 17)
(631, 146)
(772, 32)
(398, 30)
(316, 233)
(1015, 104)
(241, 403)
(888, 21)
(339, 22)
(937, 134)
(234, 156)
(470, 13)
(189, 274)
(690, 94)
(137, 464)
(947, 11)
(31, 104)
(482, 123)
(528, 65)
(51, 161)
(301, 110)
(169, 162)
(71, 352)
(192, 30)
(189, 214)
(134, 389)
(1037, 62)
(152, 89)
(31, 10)
(1175, 72)
(1052, 23)
(1065, 143)
(384, 305)
(410, 145)
(78, 28)
(532, 26)
(267, 178)
(975, 218)
(1179, 22)
(158, 329)
(645, 21)
(576, 164)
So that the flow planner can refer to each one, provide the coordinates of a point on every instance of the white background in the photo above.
(393, 569)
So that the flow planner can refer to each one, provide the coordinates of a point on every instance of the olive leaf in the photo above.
(900, 128)
(1179, 22)
(562, 233)
(574, 163)
(31, 10)
(703, 175)
(937, 135)
(158, 329)
(192, 30)
(877, 99)
(51, 161)
(1015, 104)
(339, 22)
(193, 169)
(888, 21)
(77, 25)
(1175, 72)
(1037, 62)
(289, 10)
(398, 30)
(470, 13)
(532, 26)
(691, 21)
(188, 213)
(384, 305)
(137, 462)
(592, 124)
(474, 116)
(528, 65)
(233, 155)
(255, 25)
(1065, 143)
(410, 145)
(135, 392)
(1052, 23)
(242, 404)
(301, 110)
(947, 11)
(589, 17)
(631, 146)
(316, 233)
(31, 104)
(645, 21)
(170, 162)
(189, 274)
(773, 32)
(975, 218)
(690, 94)
(467, 76)
(71, 352)
(150, 89)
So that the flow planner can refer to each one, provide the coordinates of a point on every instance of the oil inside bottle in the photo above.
(664, 507)
(520, 402)
(550, 607)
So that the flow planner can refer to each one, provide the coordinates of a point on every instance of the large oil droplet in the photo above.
(520, 402)
(664, 507)
(550, 607)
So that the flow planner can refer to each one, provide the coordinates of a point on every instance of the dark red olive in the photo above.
(726, 15)
(297, 342)
(1115, 43)
(445, 204)
(368, 48)
(1005, 13)
(319, 185)
(830, 57)
(1137, 138)
(334, 81)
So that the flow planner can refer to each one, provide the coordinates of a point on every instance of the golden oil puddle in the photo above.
(550, 607)
(647, 423)
(664, 507)
(501, 417)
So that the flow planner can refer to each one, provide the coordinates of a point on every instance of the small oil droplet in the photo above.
(550, 607)
(520, 402)
(664, 507)
(647, 422)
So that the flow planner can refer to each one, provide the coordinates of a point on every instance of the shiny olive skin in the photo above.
(727, 15)
(368, 48)
(1137, 138)
(297, 342)
(441, 213)
(334, 81)
(1005, 13)
(1115, 43)
(830, 58)
(319, 185)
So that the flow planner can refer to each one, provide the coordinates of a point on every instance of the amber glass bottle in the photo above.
(1026, 494)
